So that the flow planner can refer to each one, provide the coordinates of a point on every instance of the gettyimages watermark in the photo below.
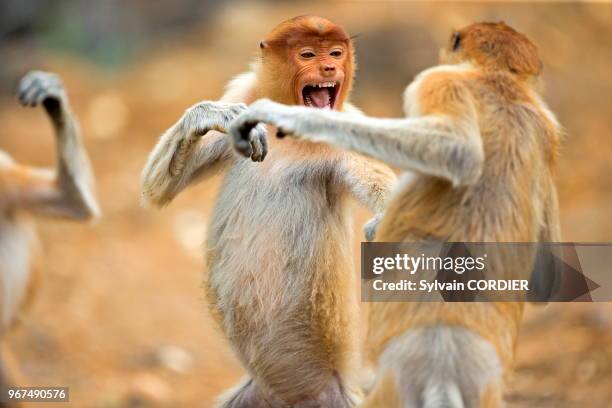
(436, 271)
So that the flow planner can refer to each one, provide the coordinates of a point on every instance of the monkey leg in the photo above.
(492, 396)
(300, 347)
(298, 368)
(383, 395)
(250, 395)
(334, 395)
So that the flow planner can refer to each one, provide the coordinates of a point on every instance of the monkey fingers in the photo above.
(241, 138)
(369, 228)
(280, 133)
(249, 139)
(37, 87)
(284, 117)
(208, 115)
(262, 111)
(259, 143)
(45, 88)
(240, 130)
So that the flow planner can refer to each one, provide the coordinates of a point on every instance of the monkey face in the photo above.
(319, 74)
(309, 60)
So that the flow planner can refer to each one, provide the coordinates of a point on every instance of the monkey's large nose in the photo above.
(328, 69)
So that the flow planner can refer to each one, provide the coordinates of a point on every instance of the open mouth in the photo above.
(321, 95)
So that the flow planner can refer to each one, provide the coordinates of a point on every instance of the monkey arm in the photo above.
(551, 230)
(545, 278)
(369, 182)
(69, 191)
(444, 142)
(192, 148)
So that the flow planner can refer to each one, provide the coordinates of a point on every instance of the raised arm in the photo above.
(193, 148)
(197, 146)
(67, 192)
(444, 141)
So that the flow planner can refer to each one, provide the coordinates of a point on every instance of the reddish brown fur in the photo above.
(497, 46)
(282, 73)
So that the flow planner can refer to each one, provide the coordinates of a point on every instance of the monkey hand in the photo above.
(369, 228)
(46, 88)
(257, 146)
(263, 111)
(208, 115)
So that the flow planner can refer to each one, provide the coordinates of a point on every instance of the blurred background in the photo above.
(121, 317)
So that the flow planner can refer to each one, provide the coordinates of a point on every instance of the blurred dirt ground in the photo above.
(120, 317)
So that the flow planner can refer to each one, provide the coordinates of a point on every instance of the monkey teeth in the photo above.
(325, 85)
(320, 95)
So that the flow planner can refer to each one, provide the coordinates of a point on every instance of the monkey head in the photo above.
(494, 46)
(308, 61)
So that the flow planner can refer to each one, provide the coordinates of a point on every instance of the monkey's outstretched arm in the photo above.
(69, 191)
(445, 142)
(192, 148)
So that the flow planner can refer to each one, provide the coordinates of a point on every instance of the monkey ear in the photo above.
(455, 40)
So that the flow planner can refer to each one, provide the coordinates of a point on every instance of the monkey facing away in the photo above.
(27, 191)
(482, 144)
(280, 281)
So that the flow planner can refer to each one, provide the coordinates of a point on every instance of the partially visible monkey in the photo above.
(483, 145)
(27, 191)
(280, 280)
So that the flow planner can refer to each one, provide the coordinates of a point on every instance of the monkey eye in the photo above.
(336, 53)
(307, 54)
(455, 40)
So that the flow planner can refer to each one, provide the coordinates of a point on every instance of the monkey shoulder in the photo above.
(241, 88)
(434, 86)
(546, 112)
(448, 72)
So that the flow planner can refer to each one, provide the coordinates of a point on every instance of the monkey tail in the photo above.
(442, 395)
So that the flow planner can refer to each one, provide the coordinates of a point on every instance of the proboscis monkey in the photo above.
(26, 191)
(482, 146)
(280, 281)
